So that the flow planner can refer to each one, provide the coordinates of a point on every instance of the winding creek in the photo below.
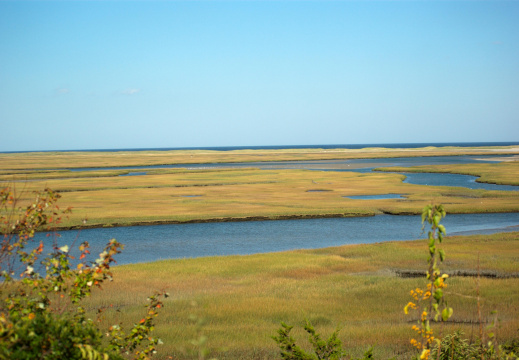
(357, 165)
(156, 242)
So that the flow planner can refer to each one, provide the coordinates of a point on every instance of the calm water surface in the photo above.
(151, 243)
(466, 181)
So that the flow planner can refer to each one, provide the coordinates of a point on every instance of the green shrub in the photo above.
(330, 349)
(45, 335)
(41, 316)
(453, 346)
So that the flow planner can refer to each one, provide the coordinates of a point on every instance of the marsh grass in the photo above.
(248, 194)
(244, 298)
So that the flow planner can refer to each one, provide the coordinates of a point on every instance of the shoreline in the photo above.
(214, 220)
(255, 218)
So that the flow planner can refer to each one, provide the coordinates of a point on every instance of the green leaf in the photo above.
(424, 216)
(431, 241)
(438, 294)
(446, 313)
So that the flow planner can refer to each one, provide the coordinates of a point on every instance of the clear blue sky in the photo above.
(132, 74)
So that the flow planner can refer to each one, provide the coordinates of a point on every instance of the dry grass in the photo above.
(244, 298)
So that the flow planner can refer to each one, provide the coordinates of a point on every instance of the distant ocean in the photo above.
(279, 147)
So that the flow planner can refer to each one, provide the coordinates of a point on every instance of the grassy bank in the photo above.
(244, 298)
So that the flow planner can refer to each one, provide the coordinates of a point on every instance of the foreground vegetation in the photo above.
(41, 312)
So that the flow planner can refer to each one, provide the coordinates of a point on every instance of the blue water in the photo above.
(151, 243)
(136, 173)
(368, 165)
(465, 181)
(278, 147)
